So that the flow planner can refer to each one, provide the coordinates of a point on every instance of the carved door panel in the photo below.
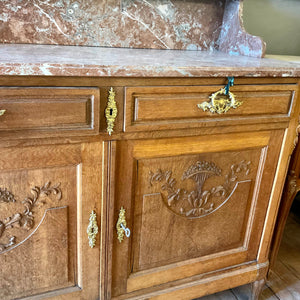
(46, 196)
(194, 205)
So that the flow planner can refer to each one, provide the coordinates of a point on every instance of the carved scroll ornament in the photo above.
(25, 219)
(199, 202)
(296, 138)
(292, 184)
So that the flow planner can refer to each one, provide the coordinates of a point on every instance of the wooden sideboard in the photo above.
(197, 191)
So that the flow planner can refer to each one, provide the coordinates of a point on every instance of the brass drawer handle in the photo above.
(121, 226)
(2, 112)
(111, 111)
(222, 100)
(92, 229)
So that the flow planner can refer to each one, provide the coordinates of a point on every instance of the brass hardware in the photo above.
(92, 229)
(111, 111)
(121, 226)
(220, 102)
(2, 112)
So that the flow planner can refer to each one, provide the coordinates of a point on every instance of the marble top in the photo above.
(51, 60)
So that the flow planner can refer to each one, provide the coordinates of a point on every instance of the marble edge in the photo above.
(48, 60)
(49, 69)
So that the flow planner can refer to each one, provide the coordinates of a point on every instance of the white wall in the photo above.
(277, 22)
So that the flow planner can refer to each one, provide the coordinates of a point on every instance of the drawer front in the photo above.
(49, 111)
(158, 108)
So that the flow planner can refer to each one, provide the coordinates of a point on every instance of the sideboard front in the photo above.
(139, 188)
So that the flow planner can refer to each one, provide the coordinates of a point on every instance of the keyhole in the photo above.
(111, 111)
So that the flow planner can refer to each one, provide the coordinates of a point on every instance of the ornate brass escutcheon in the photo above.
(220, 102)
(92, 229)
(121, 226)
(111, 111)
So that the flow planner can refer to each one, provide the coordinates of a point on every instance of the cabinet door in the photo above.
(46, 196)
(194, 205)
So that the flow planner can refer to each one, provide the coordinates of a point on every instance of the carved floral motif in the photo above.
(6, 196)
(25, 219)
(197, 203)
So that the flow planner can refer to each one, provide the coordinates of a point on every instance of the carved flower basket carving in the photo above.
(198, 202)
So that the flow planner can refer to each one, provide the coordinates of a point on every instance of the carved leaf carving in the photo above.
(197, 203)
(25, 219)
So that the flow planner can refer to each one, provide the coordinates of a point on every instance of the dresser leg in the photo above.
(256, 288)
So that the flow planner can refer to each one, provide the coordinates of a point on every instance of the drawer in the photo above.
(48, 111)
(172, 107)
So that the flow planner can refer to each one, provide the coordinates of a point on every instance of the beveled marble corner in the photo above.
(233, 38)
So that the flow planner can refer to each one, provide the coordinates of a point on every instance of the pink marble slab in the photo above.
(96, 61)
(168, 24)
(159, 24)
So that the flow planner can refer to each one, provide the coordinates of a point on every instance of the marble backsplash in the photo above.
(160, 24)
(203, 25)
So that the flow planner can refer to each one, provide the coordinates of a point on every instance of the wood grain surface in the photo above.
(201, 192)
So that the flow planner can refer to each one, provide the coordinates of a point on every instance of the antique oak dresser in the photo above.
(138, 173)
(142, 181)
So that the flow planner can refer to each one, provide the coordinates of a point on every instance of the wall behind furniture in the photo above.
(277, 22)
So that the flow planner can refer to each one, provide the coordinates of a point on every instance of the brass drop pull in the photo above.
(121, 226)
(111, 111)
(92, 229)
(2, 112)
(222, 100)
